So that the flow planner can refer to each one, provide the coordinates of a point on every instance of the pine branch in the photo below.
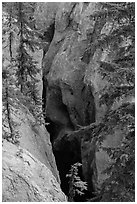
(84, 130)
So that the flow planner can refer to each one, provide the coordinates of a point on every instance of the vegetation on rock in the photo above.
(20, 86)
(20, 70)
(118, 95)
(120, 185)
(76, 185)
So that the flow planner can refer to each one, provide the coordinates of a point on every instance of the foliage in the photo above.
(20, 70)
(120, 185)
(8, 84)
(27, 72)
(10, 104)
(76, 185)
(118, 97)
(22, 20)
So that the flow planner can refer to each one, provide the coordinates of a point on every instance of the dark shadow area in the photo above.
(64, 159)
(67, 154)
(49, 33)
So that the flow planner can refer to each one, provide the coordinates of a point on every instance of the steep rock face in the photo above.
(71, 88)
(34, 138)
(26, 179)
(69, 99)
(34, 141)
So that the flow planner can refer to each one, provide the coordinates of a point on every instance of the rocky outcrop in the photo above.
(26, 179)
(34, 137)
(29, 171)
(72, 86)
(70, 94)
(71, 99)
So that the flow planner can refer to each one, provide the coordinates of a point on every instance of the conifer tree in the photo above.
(27, 43)
(8, 88)
(20, 70)
(76, 185)
(27, 69)
(120, 185)
(120, 75)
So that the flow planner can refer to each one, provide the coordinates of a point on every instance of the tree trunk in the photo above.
(9, 111)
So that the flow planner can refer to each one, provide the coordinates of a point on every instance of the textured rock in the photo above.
(69, 100)
(26, 179)
(34, 138)
(45, 14)
(72, 87)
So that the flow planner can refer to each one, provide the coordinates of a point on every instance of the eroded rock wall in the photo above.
(34, 137)
(72, 84)
(29, 168)
(70, 101)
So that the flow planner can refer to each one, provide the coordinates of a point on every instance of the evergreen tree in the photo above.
(120, 75)
(23, 15)
(10, 105)
(8, 88)
(19, 72)
(26, 74)
(27, 69)
(120, 185)
(76, 185)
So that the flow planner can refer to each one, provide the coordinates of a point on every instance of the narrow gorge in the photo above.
(68, 100)
(72, 53)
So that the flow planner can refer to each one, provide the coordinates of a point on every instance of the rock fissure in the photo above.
(76, 46)
(69, 150)
(68, 102)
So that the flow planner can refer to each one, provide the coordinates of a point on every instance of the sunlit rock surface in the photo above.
(26, 179)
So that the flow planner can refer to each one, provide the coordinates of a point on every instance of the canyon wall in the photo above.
(36, 169)
(72, 85)
(29, 172)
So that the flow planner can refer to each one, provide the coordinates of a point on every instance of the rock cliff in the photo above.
(36, 169)
(29, 171)
(72, 83)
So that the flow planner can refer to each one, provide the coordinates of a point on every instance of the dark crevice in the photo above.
(44, 93)
(66, 152)
(48, 37)
(49, 33)
(64, 160)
